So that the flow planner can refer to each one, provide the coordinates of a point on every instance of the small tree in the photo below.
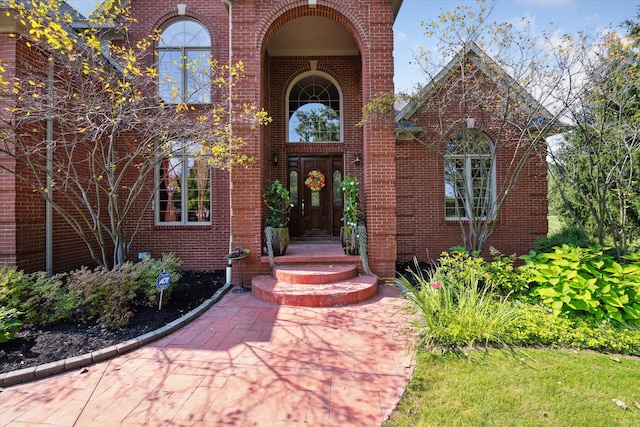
(86, 131)
(485, 109)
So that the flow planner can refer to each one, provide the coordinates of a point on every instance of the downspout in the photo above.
(229, 270)
(49, 161)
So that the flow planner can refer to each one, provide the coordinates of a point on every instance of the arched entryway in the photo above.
(312, 70)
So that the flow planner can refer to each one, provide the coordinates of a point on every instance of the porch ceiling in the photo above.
(312, 36)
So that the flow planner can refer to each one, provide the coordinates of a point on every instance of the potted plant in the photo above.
(276, 197)
(352, 215)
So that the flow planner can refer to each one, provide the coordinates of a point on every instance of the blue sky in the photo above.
(567, 16)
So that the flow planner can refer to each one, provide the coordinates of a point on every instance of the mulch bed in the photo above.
(36, 345)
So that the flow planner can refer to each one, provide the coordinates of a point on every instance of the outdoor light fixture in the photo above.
(274, 158)
(358, 160)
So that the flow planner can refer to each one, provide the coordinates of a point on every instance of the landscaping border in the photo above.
(48, 369)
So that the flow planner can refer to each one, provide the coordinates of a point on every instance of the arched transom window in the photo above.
(469, 176)
(314, 110)
(184, 52)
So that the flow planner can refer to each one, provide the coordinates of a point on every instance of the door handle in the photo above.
(302, 205)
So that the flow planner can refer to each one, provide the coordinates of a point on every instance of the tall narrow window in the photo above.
(337, 188)
(184, 51)
(314, 111)
(184, 187)
(293, 187)
(469, 176)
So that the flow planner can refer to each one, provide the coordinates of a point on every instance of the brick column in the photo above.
(379, 145)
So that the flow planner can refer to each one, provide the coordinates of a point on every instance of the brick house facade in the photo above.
(344, 46)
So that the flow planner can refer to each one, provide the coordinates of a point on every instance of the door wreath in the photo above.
(315, 180)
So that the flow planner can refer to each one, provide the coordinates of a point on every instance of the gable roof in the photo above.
(475, 55)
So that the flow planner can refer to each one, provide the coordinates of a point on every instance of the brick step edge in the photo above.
(315, 273)
(352, 291)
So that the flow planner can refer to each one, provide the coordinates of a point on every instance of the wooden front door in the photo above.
(315, 213)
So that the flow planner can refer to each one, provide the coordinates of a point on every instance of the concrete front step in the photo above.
(314, 274)
(351, 291)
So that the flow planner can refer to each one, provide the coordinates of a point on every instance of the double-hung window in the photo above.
(184, 52)
(469, 176)
(184, 190)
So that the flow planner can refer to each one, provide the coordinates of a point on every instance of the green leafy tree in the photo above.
(596, 167)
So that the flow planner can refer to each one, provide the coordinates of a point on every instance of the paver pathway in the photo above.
(244, 362)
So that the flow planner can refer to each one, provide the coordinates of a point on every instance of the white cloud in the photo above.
(400, 36)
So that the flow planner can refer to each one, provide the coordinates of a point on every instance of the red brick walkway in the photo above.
(244, 362)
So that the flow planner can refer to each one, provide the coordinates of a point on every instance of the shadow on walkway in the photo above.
(244, 362)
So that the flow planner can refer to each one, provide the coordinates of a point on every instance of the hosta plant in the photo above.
(587, 281)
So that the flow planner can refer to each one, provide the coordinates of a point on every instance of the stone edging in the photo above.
(71, 363)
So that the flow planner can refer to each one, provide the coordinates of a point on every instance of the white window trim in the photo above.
(184, 221)
(184, 78)
(468, 158)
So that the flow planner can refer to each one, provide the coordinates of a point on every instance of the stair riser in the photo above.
(313, 276)
(311, 300)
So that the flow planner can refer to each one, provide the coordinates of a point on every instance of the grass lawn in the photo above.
(534, 387)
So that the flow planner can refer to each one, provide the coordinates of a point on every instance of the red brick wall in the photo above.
(200, 247)
(254, 22)
(69, 250)
(24, 224)
(370, 24)
(379, 153)
(346, 71)
(360, 78)
(404, 180)
(7, 180)
(423, 231)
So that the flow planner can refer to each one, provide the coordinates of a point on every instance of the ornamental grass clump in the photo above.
(454, 314)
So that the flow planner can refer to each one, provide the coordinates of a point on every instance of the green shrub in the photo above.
(49, 300)
(587, 281)
(38, 298)
(148, 271)
(15, 286)
(537, 325)
(499, 275)
(453, 312)
(110, 296)
(568, 235)
(9, 323)
(84, 294)
(459, 266)
(107, 295)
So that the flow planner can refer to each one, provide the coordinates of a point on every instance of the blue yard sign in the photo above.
(162, 283)
(164, 280)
